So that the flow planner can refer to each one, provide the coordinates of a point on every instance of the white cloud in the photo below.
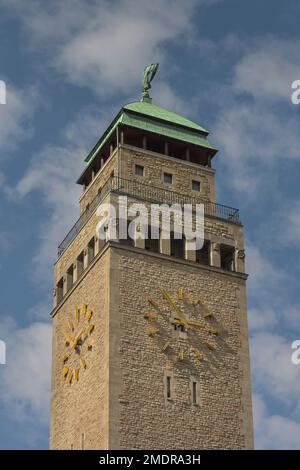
(256, 139)
(264, 276)
(272, 368)
(274, 431)
(53, 172)
(15, 117)
(268, 70)
(105, 45)
(262, 318)
(25, 379)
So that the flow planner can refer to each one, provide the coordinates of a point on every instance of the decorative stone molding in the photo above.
(241, 254)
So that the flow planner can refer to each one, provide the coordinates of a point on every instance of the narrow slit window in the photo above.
(80, 258)
(168, 385)
(59, 290)
(70, 274)
(194, 393)
(91, 250)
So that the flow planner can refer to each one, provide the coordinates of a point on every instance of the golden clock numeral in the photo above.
(76, 314)
(64, 372)
(166, 346)
(152, 331)
(83, 310)
(209, 345)
(153, 302)
(69, 377)
(90, 328)
(180, 293)
(88, 315)
(75, 374)
(65, 358)
(150, 316)
(196, 354)
(180, 355)
(67, 338)
(213, 331)
(82, 362)
(71, 325)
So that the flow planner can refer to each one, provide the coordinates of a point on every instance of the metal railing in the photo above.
(148, 193)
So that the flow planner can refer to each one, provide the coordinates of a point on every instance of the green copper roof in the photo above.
(152, 118)
(157, 112)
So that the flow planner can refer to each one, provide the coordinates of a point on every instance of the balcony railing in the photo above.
(148, 193)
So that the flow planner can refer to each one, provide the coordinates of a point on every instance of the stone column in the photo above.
(165, 245)
(144, 142)
(190, 255)
(240, 261)
(215, 255)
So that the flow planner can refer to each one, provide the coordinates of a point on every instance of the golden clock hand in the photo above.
(210, 329)
(77, 338)
(172, 304)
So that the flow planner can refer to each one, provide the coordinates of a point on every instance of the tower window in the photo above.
(194, 393)
(196, 185)
(203, 255)
(80, 259)
(168, 387)
(177, 246)
(70, 273)
(139, 170)
(82, 441)
(168, 178)
(152, 244)
(59, 290)
(91, 250)
(128, 240)
(227, 257)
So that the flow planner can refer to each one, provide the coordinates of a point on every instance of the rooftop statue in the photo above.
(148, 75)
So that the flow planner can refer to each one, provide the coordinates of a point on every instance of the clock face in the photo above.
(181, 325)
(78, 343)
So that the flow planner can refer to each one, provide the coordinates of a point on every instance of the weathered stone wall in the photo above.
(141, 417)
(82, 407)
(155, 164)
(111, 166)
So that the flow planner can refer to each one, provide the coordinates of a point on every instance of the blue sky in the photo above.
(68, 67)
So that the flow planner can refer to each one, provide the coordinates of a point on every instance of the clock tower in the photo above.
(150, 337)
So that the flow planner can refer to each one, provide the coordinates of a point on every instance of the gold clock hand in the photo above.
(210, 329)
(172, 304)
(77, 337)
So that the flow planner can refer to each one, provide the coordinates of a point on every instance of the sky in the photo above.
(68, 68)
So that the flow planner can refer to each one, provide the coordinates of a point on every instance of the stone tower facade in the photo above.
(150, 339)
